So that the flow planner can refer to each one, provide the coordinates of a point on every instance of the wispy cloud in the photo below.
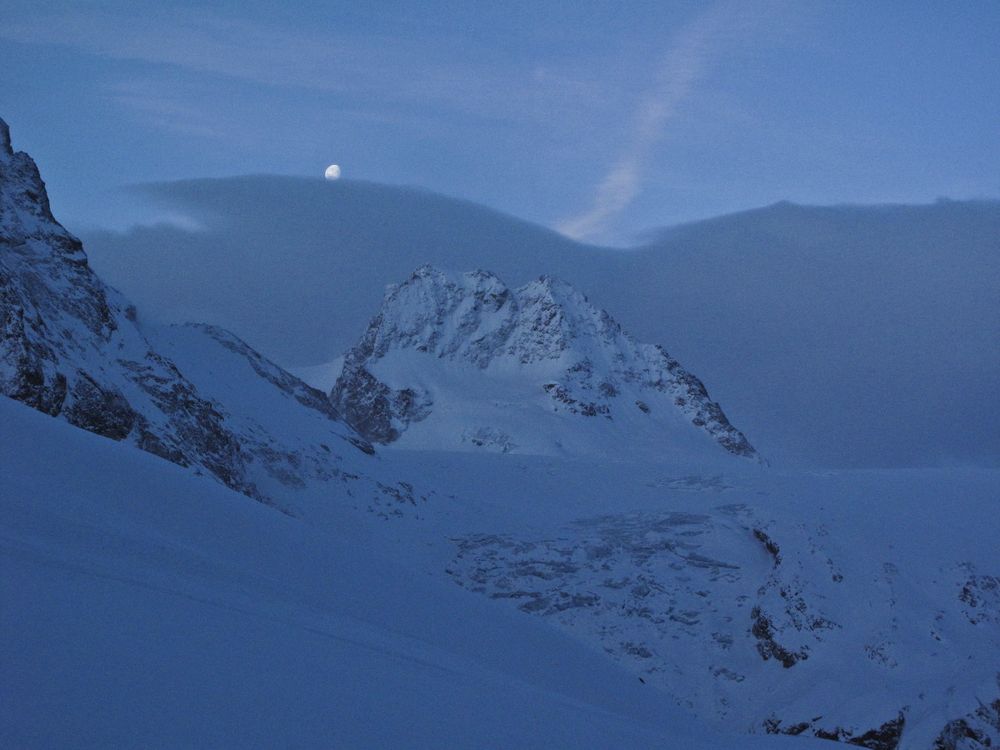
(154, 106)
(394, 71)
(686, 63)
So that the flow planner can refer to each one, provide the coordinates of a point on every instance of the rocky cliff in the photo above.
(74, 348)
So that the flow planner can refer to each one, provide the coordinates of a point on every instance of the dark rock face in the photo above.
(784, 622)
(978, 729)
(574, 406)
(373, 408)
(767, 644)
(43, 278)
(99, 410)
(25, 374)
(884, 737)
(980, 597)
(707, 414)
(73, 348)
(70, 347)
(769, 544)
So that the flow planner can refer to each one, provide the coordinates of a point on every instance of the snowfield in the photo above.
(144, 606)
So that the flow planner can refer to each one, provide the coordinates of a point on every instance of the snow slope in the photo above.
(146, 607)
(460, 361)
(841, 604)
(843, 336)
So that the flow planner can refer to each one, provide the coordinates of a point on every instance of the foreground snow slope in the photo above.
(148, 607)
(859, 605)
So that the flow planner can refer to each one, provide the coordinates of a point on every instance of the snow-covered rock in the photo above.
(73, 348)
(853, 607)
(461, 361)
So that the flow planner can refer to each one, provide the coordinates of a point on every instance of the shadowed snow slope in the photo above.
(458, 361)
(848, 336)
(145, 607)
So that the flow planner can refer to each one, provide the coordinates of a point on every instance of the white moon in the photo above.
(332, 172)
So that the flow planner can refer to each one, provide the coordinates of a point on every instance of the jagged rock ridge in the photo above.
(573, 358)
(72, 347)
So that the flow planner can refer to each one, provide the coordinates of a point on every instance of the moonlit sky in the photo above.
(595, 118)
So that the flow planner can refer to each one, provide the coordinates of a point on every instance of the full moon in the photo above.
(332, 172)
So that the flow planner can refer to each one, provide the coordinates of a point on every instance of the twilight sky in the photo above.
(600, 119)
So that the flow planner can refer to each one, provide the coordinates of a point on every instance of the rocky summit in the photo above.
(461, 360)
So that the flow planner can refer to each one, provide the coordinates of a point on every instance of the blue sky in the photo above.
(600, 119)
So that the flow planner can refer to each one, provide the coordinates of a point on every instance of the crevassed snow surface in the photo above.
(144, 606)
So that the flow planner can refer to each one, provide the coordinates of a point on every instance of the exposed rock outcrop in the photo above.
(69, 347)
(886, 736)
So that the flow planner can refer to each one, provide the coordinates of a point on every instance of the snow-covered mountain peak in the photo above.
(440, 312)
(474, 316)
(558, 322)
(475, 363)
(25, 217)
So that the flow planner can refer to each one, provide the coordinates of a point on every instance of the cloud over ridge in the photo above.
(695, 48)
